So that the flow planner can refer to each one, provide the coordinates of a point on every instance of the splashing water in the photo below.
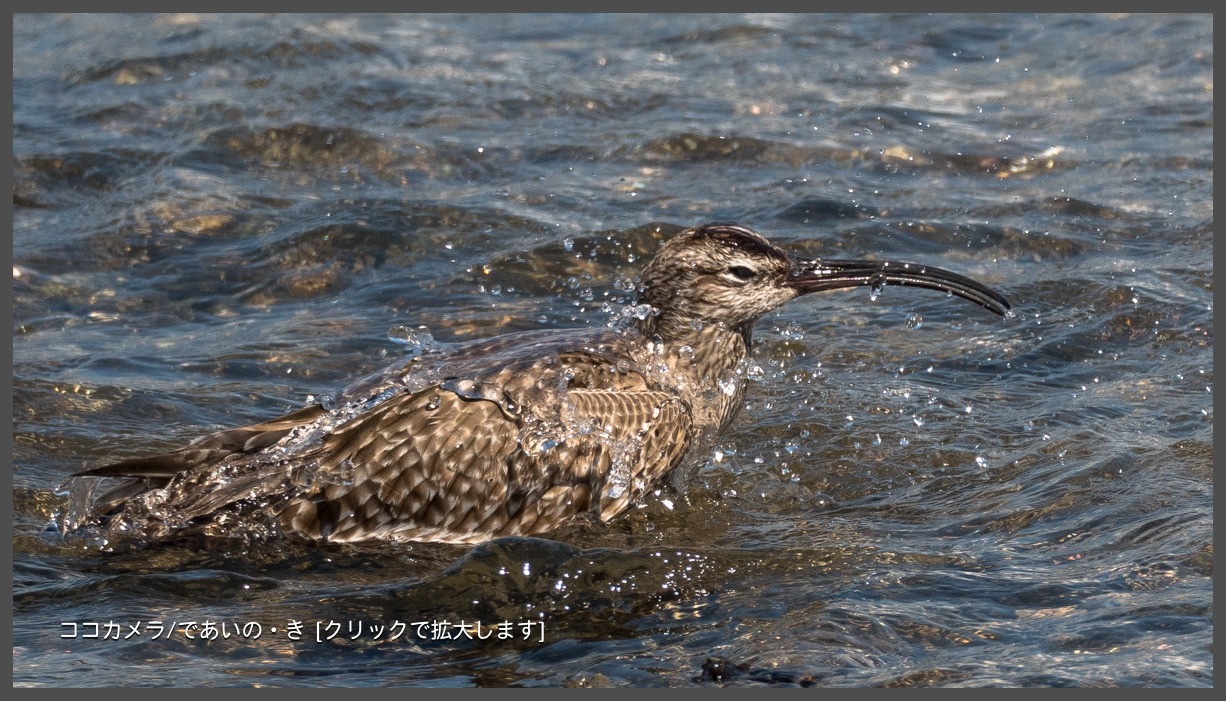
(416, 341)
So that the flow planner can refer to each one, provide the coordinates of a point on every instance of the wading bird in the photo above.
(508, 436)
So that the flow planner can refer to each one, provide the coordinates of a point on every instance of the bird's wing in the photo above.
(649, 432)
(435, 465)
(412, 374)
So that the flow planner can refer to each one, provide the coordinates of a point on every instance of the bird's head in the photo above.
(729, 274)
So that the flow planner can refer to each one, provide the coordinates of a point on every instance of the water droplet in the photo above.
(792, 332)
(346, 473)
(637, 311)
(981, 461)
(823, 501)
(1028, 426)
(877, 284)
(918, 420)
(568, 244)
(791, 446)
(914, 321)
(433, 402)
(400, 334)
(728, 386)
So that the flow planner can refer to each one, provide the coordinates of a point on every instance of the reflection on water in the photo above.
(217, 218)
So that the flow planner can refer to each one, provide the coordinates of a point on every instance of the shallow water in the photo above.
(216, 218)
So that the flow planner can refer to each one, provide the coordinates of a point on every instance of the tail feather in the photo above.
(208, 450)
(193, 461)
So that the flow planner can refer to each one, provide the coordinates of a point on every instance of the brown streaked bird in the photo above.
(508, 436)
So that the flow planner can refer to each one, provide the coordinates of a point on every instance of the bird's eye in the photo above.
(741, 272)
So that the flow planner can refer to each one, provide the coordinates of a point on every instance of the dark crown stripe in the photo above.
(740, 237)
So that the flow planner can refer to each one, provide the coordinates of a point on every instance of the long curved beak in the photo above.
(818, 275)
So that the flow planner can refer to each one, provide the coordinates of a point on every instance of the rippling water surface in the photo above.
(216, 218)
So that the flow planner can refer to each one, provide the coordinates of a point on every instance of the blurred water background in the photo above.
(218, 217)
